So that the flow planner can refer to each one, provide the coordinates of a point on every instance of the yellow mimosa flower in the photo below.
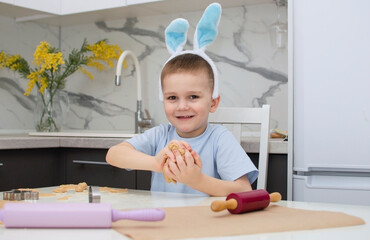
(40, 53)
(33, 78)
(103, 52)
(13, 63)
(3, 57)
(51, 71)
(87, 73)
(43, 84)
(46, 59)
(99, 66)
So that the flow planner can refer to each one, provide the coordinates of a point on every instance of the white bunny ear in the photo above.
(205, 34)
(206, 30)
(175, 35)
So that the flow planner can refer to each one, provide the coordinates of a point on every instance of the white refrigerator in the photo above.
(331, 100)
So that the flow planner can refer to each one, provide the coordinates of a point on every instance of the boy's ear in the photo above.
(214, 104)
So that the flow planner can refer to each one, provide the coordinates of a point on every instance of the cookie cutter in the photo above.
(94, 194)
(19, 195)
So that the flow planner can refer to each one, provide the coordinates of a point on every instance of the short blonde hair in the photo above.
(188, 63)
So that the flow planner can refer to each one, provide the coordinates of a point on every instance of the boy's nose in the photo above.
(183, 104)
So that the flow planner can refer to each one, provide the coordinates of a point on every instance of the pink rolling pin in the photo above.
(246, 201)
(71, 215)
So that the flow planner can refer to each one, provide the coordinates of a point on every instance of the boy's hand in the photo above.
(167, 154)
(175, 144)
(186, 170)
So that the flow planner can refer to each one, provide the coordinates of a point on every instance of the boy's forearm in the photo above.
(220, 188)
(125, 156)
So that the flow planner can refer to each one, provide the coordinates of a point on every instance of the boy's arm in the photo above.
(124, 155)
(217, 187)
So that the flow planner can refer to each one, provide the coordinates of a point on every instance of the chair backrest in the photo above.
(234, 117)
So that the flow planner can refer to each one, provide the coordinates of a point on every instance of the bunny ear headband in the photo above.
(205, 33)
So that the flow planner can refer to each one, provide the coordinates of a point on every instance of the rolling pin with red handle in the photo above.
(246, 201)
(71, 215)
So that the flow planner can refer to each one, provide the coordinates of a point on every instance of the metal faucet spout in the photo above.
(117, 80)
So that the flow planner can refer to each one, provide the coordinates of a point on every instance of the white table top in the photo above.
(147, 199)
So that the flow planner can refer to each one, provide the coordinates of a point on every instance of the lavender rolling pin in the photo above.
(71, 215)
(246, 201)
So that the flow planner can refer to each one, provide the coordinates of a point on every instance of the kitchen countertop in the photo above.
(147, 199)
(25, 141)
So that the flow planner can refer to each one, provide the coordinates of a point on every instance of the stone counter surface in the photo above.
(24, 141)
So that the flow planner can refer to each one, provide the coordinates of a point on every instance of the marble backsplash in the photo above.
(252, 73)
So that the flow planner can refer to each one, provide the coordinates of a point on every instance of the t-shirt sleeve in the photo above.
(147, 142)
(232, 161)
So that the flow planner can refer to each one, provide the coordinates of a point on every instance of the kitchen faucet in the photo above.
(140, 121)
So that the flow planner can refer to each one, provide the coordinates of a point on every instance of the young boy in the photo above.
(214, 163)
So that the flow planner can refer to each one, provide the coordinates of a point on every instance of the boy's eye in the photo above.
(194, 97)
(171, 97)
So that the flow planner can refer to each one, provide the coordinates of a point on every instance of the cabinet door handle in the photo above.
(89, 162)
(1, 164)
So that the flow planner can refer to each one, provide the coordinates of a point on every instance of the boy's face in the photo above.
(187, 99)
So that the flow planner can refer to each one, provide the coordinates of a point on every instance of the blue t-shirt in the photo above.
(221, 155)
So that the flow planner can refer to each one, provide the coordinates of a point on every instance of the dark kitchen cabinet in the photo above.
(31, 168)
(89, 165)
(34, 168)
(277, 173)
(143, 180)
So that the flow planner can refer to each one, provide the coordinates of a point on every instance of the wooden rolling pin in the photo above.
(246, 201)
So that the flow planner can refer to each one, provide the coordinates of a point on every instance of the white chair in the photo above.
(234, 117)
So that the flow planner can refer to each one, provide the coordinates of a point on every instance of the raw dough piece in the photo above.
(65, 187)
(113, 190)
(60, 190)
(47, 195)
(81, 187)
(172, 147)
(65, 197)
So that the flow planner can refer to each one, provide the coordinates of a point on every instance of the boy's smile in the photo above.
(184, 117)
(188, 101)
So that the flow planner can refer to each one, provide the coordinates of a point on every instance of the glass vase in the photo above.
(48, 115)
(279, 29)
